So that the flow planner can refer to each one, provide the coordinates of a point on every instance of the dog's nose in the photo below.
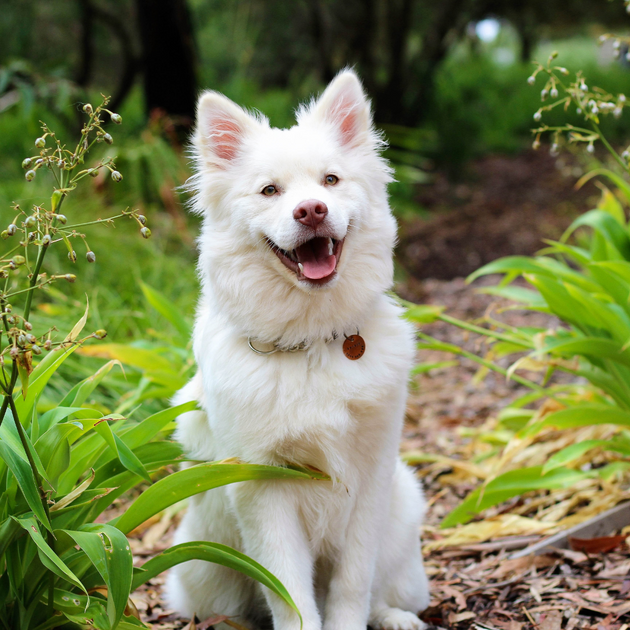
(310, 212)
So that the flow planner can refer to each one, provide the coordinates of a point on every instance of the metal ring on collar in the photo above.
(261, 352)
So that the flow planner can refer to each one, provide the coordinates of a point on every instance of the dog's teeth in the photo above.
(330, 247)
(301, 268)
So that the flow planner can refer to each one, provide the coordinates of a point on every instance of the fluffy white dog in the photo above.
(296, 257)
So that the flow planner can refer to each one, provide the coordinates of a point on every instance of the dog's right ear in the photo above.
(221, 127)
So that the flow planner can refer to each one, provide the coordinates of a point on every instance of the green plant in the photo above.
(580, 435)
(61, 468)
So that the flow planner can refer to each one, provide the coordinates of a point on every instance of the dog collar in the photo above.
(353, 346)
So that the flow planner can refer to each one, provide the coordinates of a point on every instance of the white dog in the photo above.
(295, 257)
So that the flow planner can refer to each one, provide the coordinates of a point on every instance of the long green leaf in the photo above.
(166, 308)
(574, 451)
(109, 551)
(508, 485)
(22, 471)
(219, 554)
(190, 481)
(48, 557)
(126, 456)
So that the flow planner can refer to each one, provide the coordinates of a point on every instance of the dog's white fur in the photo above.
(348, 551)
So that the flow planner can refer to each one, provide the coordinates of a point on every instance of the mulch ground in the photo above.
(505, 207)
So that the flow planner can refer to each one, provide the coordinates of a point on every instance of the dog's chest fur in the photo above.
(312, 407)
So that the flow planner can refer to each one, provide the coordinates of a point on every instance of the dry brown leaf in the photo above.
(521, 565)
(551, 621)
(602, 544)
(456, 594)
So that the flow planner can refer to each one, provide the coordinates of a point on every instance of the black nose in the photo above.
(310, 212)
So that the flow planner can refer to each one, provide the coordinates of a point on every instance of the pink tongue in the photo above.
(315, 259)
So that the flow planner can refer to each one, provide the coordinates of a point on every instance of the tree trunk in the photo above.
(168, 59)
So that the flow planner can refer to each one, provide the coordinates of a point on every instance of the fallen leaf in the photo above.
(602, 544)
(551, 621)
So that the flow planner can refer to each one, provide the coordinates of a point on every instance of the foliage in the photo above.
(584, 280)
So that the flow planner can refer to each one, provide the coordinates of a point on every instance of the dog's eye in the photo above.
(331, 180)
(269, 191)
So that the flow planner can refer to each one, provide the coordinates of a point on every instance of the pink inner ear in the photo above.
(344, 114)
(225, 138)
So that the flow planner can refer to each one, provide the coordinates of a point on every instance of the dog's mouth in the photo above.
(315, 260)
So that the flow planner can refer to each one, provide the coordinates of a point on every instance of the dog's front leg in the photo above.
(274, 536)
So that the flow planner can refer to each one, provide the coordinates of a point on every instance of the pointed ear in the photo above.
(345, 106)
(221, 127)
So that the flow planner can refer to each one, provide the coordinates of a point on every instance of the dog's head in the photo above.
(300, 211)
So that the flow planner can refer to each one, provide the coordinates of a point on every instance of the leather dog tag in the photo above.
(354, 347)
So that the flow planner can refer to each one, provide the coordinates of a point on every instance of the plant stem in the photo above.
(607, 144)
(33, 282)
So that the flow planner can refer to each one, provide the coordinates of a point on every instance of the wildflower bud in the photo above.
(553, 93)
(563, 71)
(40, 143)
(62, 219)
(626, 155)
(28, 326)
(39, 161)
(30, 222)
(142, 219)
(61, 163)
(70, 277)
(91, 257)
(8, 308)
(21, 340)
(87, 108)
(27, 162)
(543, 94)
(14, 352)
(536, 144)
(11, 320)
(4, 235)
(590, 148)
(100, 334)
(31, 338)
(578, 110)
(72, 256)
(537, 115)
(146, 232)
(617, 112)
(116, 176)
(18, 260)
(46, 241)
(36, 350)
(531, 79)
(30, 176)
(108, 139)
(47, 344)
(116, 118)
(12, 265)
(12, 229)
(622, 98)
(32, 236)
(93, 172)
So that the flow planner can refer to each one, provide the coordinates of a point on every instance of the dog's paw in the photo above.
(396, 619)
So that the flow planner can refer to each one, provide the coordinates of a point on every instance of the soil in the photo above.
(506, 206)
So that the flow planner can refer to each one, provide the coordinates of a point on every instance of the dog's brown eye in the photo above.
(331, 180)
(269, 191)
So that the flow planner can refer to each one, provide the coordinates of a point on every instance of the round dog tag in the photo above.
(354, 347)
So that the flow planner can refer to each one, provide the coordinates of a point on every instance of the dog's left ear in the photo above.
(345, 106)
